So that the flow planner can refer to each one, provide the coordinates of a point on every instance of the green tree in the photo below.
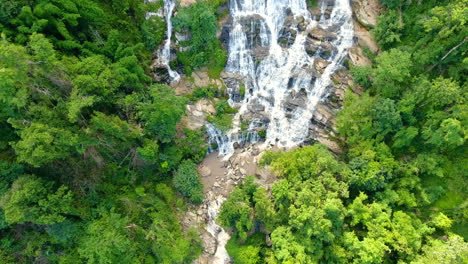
(187, 181)
(108, 240)
(32, 200)
(453, 250)
(237, 210)
(40, 143)
(392, 71)
(389, 28)
(161, 112)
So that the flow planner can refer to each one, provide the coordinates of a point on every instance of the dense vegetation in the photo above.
(89, 143)
(200, 22)
(397, 194)
(95, 167)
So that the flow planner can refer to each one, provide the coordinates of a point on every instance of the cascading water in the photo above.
(286, 74)
(222, 237)
(164, 54)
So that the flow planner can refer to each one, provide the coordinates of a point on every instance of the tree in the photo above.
(237, 210)
(153, 31)
(392, 3)
(107, 240)
(161, 112)
(187, 181)
(392, 72)
(389, 29)
(41, 143)
(372, 166)
(453, 250)
(385, 117)
(200, 21)
(32, 200)
(14, 92)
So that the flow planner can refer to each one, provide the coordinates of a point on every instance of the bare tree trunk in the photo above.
(448, 53)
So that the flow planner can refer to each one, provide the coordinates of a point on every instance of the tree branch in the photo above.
(448, 53)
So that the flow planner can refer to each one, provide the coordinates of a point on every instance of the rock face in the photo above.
(357, 57)
(366, 11)
(219, 177)
(364, 37)
(197, 113)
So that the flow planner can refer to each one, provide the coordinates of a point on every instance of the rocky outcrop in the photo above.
(366, 11)
(198, 79)
(357, 57)
(197, 113)
(364, 37)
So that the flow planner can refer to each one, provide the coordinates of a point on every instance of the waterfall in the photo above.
(284, 85)
(222, 237)
(164, 53)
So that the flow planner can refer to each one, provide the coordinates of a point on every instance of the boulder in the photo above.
(209, 243)
(320, 65)
(204, 171)
(321, 34)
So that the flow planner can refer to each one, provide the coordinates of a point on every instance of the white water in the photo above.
(285, 71)
(164, 54)
(222, 237)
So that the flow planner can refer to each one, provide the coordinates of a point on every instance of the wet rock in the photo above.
(330, 4)
(327, 13)
(259, 53)
(226, 28)
(255, 106)
(252, 27)
(320, 65)
(209, 243)
(287, 36)
(321, 34)
(315, 13)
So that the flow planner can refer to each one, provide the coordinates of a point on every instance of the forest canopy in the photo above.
(95, 166)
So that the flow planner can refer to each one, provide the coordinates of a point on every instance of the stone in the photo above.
(204, 171)
(357, 57)
(185, 3)
(367, 11)
(209, 243)
(321, 34)
(320, 65)
(268, 240)
(364, 37)
(243, 171)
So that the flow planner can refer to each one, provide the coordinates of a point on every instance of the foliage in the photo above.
(31, 200)
(161, 112)
(186, 181)
(86, 137)
(224, 115)
(204, 49)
